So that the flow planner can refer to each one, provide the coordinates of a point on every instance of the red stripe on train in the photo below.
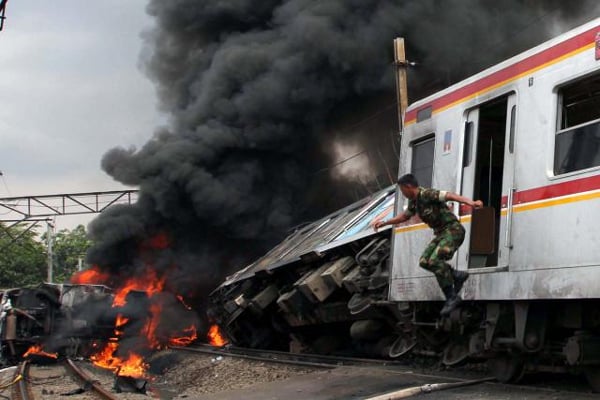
(548, 192)
(511, 71)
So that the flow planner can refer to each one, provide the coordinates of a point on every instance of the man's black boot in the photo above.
(459, 279)
(452, 300)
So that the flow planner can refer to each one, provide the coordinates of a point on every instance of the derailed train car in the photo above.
(522, 136)
(60, 318)
(299, 293)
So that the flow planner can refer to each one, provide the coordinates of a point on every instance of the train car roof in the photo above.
(336, 229)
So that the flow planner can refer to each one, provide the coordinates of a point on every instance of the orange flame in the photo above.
(38, 351)
(186, 339)
(90, 276)
(104, 358)
(215, 337)
(133, 366)
(120, 321)
(152, 325)
(149, 283)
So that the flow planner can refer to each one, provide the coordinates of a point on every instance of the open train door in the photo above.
(488, 175)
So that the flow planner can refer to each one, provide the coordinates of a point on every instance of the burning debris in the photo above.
(147, 319)
(216, 337)
(37, 350)
(118, 328)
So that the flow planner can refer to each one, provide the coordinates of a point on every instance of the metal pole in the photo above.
(50, 239)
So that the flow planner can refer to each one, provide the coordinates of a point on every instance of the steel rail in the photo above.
(207, 349)
(334, 360)
(21, 389)
(318, 360)
(97, 387)
(283, 357)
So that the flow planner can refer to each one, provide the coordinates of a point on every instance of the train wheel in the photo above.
(456, 352)
(402, 345)
(359, 303)
(506, 367)
(592, 374)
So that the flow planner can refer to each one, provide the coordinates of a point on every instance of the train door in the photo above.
(488, 175)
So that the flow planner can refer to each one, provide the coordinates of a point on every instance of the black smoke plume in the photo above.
(257, 92)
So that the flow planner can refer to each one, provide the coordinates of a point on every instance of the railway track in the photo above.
(318, 360)
(88, 382)
(301, 359)
(544, 384)
(21, 383)
(21, 389)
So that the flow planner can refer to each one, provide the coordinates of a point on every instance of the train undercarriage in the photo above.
(337, 303)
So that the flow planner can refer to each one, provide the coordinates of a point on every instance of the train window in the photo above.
(422, 161)
(424, 113)
(577, 144)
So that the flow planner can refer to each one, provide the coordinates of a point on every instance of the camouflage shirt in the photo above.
(430, 205)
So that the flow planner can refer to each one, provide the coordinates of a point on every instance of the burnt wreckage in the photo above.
(59, 319)
(62, 317)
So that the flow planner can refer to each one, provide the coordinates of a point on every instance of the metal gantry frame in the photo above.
(21, 209)
(35, 209)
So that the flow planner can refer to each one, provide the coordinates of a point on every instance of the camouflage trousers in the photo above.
(440, 250)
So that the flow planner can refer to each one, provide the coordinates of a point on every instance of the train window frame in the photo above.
(568, 158)
(428, 139)
(513, 125)
(468, 151)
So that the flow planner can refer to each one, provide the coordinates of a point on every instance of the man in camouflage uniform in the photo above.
(430, 205)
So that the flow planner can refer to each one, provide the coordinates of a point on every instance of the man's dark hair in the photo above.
(408, 180)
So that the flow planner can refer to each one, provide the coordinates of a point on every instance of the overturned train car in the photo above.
(59, 318)
(522, 136)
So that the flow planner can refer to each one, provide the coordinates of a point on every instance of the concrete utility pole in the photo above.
(50, 239)
(401, 89)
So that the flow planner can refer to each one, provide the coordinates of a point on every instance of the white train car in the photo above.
(524, 137)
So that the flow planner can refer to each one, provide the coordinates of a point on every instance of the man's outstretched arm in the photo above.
(464, 200)
(392, 221)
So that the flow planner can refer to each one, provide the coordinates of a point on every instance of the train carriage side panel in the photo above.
(547, 202)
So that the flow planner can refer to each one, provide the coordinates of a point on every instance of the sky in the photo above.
(72, 86)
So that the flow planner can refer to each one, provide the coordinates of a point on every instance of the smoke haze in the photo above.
(257, 93)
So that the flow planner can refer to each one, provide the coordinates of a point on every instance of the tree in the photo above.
(68, 248)
(22, 257)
